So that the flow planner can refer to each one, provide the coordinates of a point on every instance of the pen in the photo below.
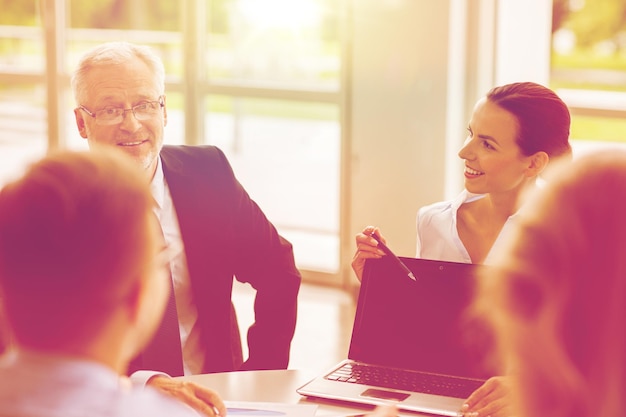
(388, 251)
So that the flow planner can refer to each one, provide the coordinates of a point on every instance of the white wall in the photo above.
(522, 49)
(398, 114)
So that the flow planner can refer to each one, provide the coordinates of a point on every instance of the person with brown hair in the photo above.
(84, 283)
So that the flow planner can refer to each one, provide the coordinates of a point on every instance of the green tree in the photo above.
(19, 12)
(598, 20)
(560, 12)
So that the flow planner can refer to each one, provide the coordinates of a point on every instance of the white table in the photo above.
(275, 386)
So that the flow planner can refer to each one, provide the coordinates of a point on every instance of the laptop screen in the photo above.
(420, 325)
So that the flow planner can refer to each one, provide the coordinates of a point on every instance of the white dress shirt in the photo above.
(187, 311)
(437, 233)
(36, 385)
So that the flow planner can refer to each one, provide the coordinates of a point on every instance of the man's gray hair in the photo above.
(115, 53)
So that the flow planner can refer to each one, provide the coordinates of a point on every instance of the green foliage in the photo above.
(585, 58)
(598, 129)
(598, 20)
(218, 16)
(124, 14)
(19, 12)
(560, 12)
(109, 14)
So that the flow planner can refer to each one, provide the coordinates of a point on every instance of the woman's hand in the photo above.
(366, 248)
(384, 411)
(490, 399)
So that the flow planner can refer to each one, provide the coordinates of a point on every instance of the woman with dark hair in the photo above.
(514, 132)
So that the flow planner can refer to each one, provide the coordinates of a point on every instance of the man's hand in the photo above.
(201, 399)
(490, 399)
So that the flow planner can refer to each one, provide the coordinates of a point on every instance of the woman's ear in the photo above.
(537, 163)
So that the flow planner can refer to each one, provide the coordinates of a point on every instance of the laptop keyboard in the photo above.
(403, 379)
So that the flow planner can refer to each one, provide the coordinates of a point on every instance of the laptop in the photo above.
(414, 344)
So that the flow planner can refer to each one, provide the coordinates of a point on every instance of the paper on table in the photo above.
(268, 409)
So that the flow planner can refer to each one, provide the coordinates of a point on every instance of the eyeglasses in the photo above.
(114, 115)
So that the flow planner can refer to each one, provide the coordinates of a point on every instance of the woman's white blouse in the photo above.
(437, 234)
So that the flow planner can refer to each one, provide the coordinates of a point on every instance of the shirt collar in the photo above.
(62, 369)
(464, 197)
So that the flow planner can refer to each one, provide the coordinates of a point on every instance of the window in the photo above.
(588, 68)
(22, 87)
(273, 105)
(264, 86)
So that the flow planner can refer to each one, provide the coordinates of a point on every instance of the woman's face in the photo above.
(494, 162)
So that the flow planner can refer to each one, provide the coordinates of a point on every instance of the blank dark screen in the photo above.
(423, 325)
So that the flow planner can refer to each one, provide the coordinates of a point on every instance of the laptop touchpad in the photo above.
(385, 395)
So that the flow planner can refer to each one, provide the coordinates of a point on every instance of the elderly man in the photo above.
(121, 102)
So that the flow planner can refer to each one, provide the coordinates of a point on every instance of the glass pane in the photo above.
(155, 24)
(21, 39)
(286, 155)
(250, 42)
(22, 101)
(24, 128)
(589, 66)
(125, 15)
(175, 129)
(604, 129)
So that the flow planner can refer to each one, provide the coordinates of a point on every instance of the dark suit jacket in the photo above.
(226, 234)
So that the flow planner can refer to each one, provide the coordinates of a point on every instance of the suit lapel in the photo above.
(189, 199)
(203, 218)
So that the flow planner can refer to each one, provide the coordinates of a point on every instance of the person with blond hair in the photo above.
(84, 284)
(558, 300)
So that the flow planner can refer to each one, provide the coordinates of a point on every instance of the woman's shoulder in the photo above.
(448, 206)
(434, 208)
